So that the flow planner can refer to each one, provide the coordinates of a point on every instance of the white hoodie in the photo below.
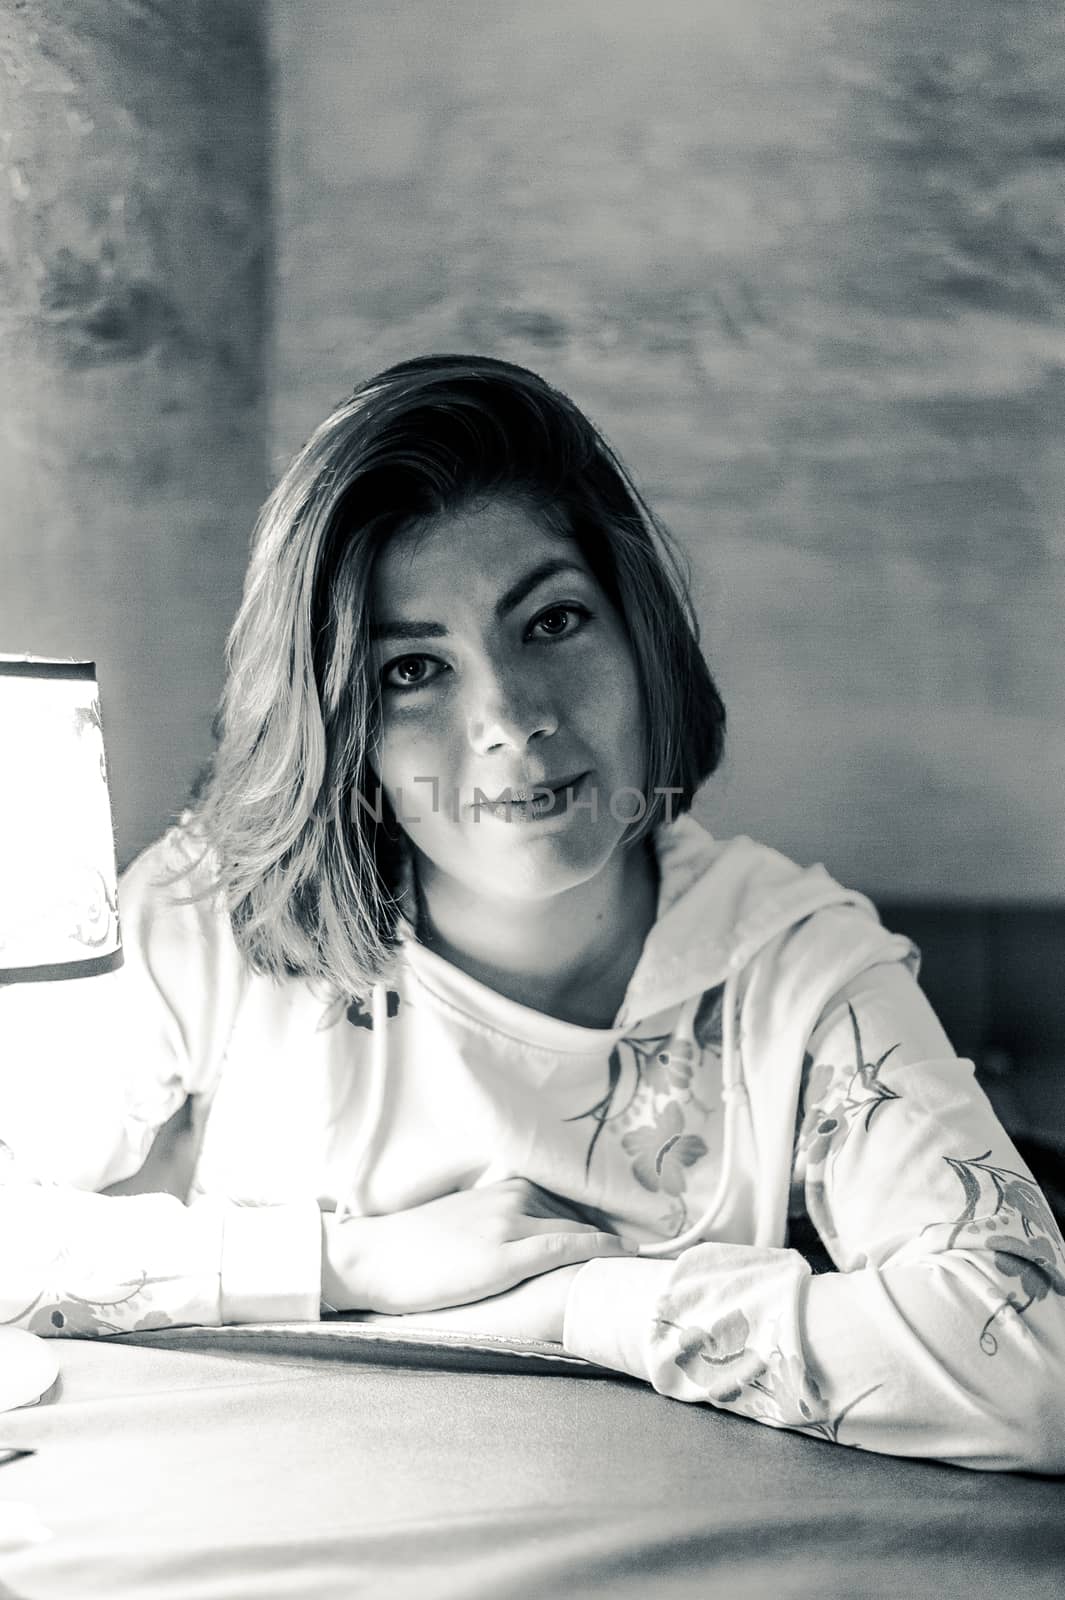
(768, 1002)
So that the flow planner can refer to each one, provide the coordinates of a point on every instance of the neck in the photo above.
(570, 956)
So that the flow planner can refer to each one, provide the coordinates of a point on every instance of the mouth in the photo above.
(534, 801)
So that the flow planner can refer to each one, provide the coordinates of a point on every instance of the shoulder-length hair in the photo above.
(306, 848)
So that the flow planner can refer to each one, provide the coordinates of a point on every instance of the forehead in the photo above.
(469, 554)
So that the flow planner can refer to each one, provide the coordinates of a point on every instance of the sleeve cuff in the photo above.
(611, 1310)
(272, 1263)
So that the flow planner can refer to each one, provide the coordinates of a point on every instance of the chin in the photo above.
(538, 869)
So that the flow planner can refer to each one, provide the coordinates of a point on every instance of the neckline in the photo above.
(414, 896)
(479, 1003)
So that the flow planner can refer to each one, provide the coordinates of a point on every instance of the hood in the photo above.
(719, 903)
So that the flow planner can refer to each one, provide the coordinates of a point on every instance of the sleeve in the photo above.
(90, 1070)
(941, 1331)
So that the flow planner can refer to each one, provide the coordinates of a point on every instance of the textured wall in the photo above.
(804, 263)
(133, 226)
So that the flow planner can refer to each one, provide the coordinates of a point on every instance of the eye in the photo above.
(560, 621)
(410, 672)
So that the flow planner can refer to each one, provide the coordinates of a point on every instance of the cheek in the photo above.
(627, 719)
(402, 745)
(414, 745)
(608, 697)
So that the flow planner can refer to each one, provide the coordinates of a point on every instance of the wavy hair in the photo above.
(306, 848)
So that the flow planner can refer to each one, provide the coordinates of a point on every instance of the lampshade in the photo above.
(58, 883)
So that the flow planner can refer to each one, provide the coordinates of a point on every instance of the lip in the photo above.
(509, 807)
(519, 794)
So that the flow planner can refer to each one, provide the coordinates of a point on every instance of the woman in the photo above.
(477, 1023)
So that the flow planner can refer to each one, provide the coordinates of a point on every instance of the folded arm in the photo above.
(940, 1334)
(90, 1070)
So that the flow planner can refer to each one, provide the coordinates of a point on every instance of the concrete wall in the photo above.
(804, 264)
(134, 229)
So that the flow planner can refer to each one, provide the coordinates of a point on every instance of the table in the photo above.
(297, 1471)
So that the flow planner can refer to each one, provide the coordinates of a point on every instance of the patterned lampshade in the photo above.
(58, 883)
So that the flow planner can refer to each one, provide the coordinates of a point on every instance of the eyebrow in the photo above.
(506, 603)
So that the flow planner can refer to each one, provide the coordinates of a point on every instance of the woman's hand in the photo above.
(465, 1246)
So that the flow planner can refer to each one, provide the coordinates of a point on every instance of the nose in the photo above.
(507, 710)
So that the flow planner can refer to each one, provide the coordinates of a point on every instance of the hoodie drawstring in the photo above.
(733, 1097)
(373, 1114)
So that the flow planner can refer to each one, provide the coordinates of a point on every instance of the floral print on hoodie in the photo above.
(864, 1111)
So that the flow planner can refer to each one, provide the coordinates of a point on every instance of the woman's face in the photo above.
(503, 668)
